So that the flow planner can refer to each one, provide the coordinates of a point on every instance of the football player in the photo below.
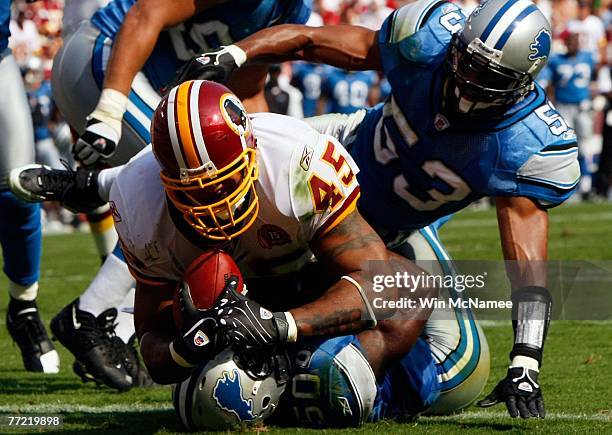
(571, 75)
(20, 225)
(465, 120)
(107, 83)
(273, 192)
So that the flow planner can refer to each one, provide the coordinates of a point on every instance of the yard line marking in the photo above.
(70, 408)
(484, 415)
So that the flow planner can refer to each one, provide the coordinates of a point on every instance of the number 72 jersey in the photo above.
(418, 165)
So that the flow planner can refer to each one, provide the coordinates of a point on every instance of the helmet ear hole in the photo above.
(265, 402)
(202, 383)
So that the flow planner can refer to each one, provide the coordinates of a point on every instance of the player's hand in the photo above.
(198, 339)
(97, 143)
(216, 65)
(249, 325)
(521, 393)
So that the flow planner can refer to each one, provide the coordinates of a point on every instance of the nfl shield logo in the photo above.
(200, 339)
(440, 122)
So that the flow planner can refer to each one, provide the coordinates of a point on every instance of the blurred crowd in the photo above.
(578, 77)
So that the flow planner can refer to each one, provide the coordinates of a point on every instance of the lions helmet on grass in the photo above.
(231, 390)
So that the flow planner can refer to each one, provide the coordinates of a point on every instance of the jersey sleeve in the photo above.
(419, 33)
(324, 187)
(551, 175)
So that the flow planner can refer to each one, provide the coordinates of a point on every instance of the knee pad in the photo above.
(332, 385)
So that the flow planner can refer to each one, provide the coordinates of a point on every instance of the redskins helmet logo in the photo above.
(234, 114)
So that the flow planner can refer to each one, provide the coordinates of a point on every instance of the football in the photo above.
(206, 277)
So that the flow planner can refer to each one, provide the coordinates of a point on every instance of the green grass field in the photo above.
(576, 377)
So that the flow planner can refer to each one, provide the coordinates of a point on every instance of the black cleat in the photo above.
(129, 355)
(90, 340)
(75, 190)
(27, 330)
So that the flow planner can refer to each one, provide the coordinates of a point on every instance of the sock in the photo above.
(20, 237)
(125, 320)
(106, 177)
(109, 288)
(23, 292)
(102, 230)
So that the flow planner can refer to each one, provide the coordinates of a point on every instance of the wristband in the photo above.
(369, 309)
(237, 53)
(178, 359)
(292, 331)
(110, 109)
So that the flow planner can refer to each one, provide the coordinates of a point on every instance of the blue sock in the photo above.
(21, 238)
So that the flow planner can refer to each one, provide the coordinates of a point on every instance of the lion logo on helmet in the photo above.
(228, 395)
(540, 47)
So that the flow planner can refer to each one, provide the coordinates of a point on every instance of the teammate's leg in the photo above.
(20, 226)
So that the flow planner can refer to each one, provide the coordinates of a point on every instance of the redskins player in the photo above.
(274, 193)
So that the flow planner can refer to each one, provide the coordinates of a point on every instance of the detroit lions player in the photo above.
(308, 77)
(20, 225)
(571, 75)
(465, 120)
(347, 91)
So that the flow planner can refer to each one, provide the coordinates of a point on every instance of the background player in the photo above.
(570, 76)
(20, 224)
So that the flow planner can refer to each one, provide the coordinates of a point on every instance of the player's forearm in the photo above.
(132, 47)
(348, 47)
(523, 228)
(339, 311)
(155, 350)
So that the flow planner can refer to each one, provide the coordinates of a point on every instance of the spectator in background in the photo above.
(375, 13)
(571, 75)
(591, 30)
(25, 39)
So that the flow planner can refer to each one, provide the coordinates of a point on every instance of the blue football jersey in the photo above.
(41, 104)
(571, 76)
(217, 26)
(5, 18)
(347, 91)
(417, 165)
(307, 77)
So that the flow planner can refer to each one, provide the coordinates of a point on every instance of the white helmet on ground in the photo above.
(230, 390)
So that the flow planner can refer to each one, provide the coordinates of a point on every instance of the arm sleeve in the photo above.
(551, 175)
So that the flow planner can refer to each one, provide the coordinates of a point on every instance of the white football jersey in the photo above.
(307, 184)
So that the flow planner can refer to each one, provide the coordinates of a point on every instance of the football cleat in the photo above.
(90, 340)
(27, 330)
(131, 361)
(75, 190)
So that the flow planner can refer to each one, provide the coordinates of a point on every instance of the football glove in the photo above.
(521, 393)
(247, 324)
(198, 339)
(103, 130)
(216, 65)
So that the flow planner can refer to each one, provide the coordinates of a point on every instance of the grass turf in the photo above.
(575, 378)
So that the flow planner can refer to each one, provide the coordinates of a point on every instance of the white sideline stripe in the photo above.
(492, 222)
(86, 409)
(142, 407)
(484, 415)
